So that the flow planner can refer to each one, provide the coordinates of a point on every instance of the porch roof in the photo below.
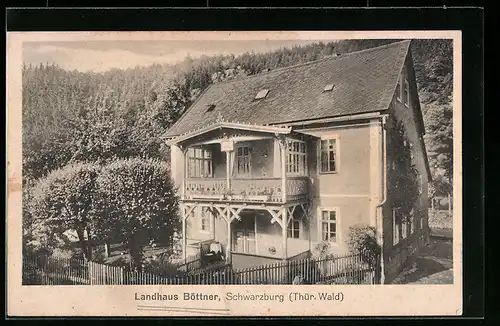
(274, 130)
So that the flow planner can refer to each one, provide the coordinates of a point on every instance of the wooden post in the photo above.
(255, 234)
(283, 147)
(229, 237)
(228, 170)
(106, 249)
(184, 172)
(184, 230)
(284, 222)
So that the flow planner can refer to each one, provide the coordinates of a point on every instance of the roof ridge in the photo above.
(325, 58)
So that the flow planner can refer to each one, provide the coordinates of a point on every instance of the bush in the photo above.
(363, 240)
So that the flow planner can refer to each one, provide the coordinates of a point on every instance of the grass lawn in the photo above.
(434, 265)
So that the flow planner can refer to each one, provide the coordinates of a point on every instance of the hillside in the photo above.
(71, 116)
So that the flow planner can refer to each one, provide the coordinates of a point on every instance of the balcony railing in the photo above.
(248, 189)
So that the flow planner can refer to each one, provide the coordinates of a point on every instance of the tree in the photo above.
(439, 142)
(63, 201)
(138, 204)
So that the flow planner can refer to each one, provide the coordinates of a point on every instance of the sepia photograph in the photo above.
(179, 161)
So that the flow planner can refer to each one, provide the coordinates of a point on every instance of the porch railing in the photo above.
(246, 189)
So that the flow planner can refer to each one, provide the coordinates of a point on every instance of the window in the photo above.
(420, 184)
(398, 91)
(199, 163)
(421, 221)
(296, 163)
(294, 229)
(328, 155)
(406, 95)
(210, 107)
(328, 87)
(395, 226)
(205, 217)
(404, 227)
(410, 221)
(261, 94)
(243, 161)
(329, 225)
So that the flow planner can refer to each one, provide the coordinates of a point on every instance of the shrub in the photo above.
(363, 241)
(323, 249)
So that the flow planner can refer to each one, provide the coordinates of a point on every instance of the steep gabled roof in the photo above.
(363, 82)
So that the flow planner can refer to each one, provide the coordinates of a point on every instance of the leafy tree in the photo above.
(439, 143)
(138, 204)
(62, 201)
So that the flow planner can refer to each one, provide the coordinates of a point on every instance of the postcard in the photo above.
(297, 173)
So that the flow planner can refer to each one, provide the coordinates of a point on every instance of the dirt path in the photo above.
(433, 266)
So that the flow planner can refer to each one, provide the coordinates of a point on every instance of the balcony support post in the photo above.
(229, 257)
(284, 227)
(283, 152)
(184, 230)
(184, 172)
(228, 170)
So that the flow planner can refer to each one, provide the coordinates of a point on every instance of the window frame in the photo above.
(330, 209)
(201, 216)
(262, 94)
(412, 221)
(396, 232)
(420, 184)
(290, 229)
(299, 155)
(237, 161)
(398, 91)
(197, 159)
(404, 228)
(337, 153)
(406, 91)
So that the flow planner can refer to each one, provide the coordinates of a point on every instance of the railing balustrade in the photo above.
(245, 189)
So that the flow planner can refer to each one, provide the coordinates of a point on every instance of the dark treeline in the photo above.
(70, 116)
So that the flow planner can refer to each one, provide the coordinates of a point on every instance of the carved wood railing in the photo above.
(246, 189)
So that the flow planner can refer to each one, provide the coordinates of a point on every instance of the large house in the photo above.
(271, 165)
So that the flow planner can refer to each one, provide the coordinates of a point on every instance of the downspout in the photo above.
(378, 209)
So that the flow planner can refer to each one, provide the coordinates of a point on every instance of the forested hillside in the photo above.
(70, 116)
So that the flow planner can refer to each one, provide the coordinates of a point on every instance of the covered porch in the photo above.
(233, 162)
(249, 234)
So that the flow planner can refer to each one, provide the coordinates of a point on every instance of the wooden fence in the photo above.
(346, 269)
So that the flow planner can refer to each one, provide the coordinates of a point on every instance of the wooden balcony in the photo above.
(267, 190)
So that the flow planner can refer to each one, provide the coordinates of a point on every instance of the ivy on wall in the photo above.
(403, 185)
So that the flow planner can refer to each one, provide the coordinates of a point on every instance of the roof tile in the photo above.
(364, 82)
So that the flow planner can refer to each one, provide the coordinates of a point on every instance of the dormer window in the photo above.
(261, 94)
(210, 107)
(328, 87)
